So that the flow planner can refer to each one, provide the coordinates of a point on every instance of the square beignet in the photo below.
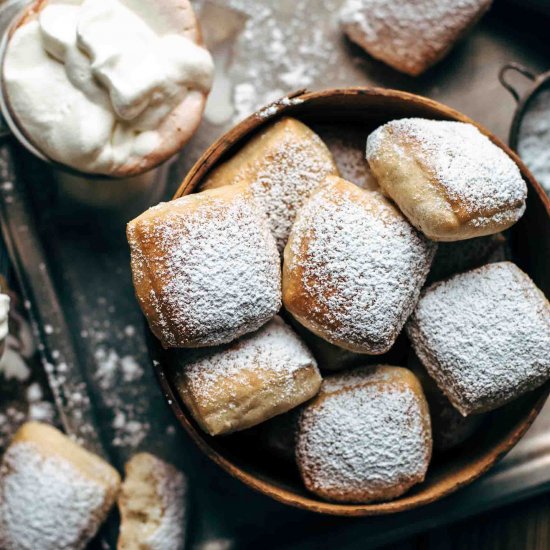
(353, 267)
(409, 35)
(449, 180)
(366, 436)
(281, 165)
(205, 268)
(53, 493)
(483, 336)
(253, 379)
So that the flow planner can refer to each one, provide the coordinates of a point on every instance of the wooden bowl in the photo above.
(530, 241)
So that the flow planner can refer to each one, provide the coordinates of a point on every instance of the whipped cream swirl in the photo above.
(92, 82)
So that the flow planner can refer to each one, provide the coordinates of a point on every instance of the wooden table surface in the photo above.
(519, 526)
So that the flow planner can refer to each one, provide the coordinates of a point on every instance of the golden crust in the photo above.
(342, 470)
(251, 380)
(221, 233)
(324, 298)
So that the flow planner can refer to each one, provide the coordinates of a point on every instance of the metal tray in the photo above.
(73, 267)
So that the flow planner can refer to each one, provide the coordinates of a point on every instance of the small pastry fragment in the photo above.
(449, 428)
(409, 35)
(53, 493)
(366, 436)
(282, 165)
(205, 268)
(353, 267)
(249, 381)
(152, 504)
(460, 256)
(483, 336)
(449, 180)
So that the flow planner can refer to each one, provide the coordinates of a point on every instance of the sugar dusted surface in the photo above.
(408, 34)
(171, 489)
(45, 502)
(362, 441)
(272, 353)
(484, 336)
(361, 270)
(217, 268)
(482, 183)
(281, 186)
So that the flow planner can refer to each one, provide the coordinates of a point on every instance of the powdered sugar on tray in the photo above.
(361, 266)
(534, 137)
(483, 336)
(274, 353)
(363, 440)
(481, 181)
(45, 502)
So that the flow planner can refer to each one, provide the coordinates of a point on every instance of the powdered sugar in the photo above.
(481, 182)
(409, 36)
(360, 266)
(172, 490)
(289, 163)
(534, 137)
(364, 441)
(347, 145)
(214, 265)
(484, 336)
(45, 502)
(274, 353)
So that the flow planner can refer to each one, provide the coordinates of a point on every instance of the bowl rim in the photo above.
(311, 502)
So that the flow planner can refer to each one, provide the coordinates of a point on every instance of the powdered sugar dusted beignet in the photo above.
(353, 267)
(152, 504)
(449, 428)
(53, 494)
(409, 35)
(282, 166)
(205, 268)
(366, 436)
(449, 179)
(483, 336)
(251, 380)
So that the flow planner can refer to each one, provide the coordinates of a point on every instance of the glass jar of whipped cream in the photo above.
(105, 91)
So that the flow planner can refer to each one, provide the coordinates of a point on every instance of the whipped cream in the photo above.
(4, 315)
(91, 82)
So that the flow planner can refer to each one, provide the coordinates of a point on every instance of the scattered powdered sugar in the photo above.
(215, 267)
(482, 183)
(276, 106)
(534, 137)
(45, 502)
(276, 52)
(172, 490)
(272, 354)
(484, 336)
(410, 36)
(361, 266)
(347, 145)
(364, 442)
